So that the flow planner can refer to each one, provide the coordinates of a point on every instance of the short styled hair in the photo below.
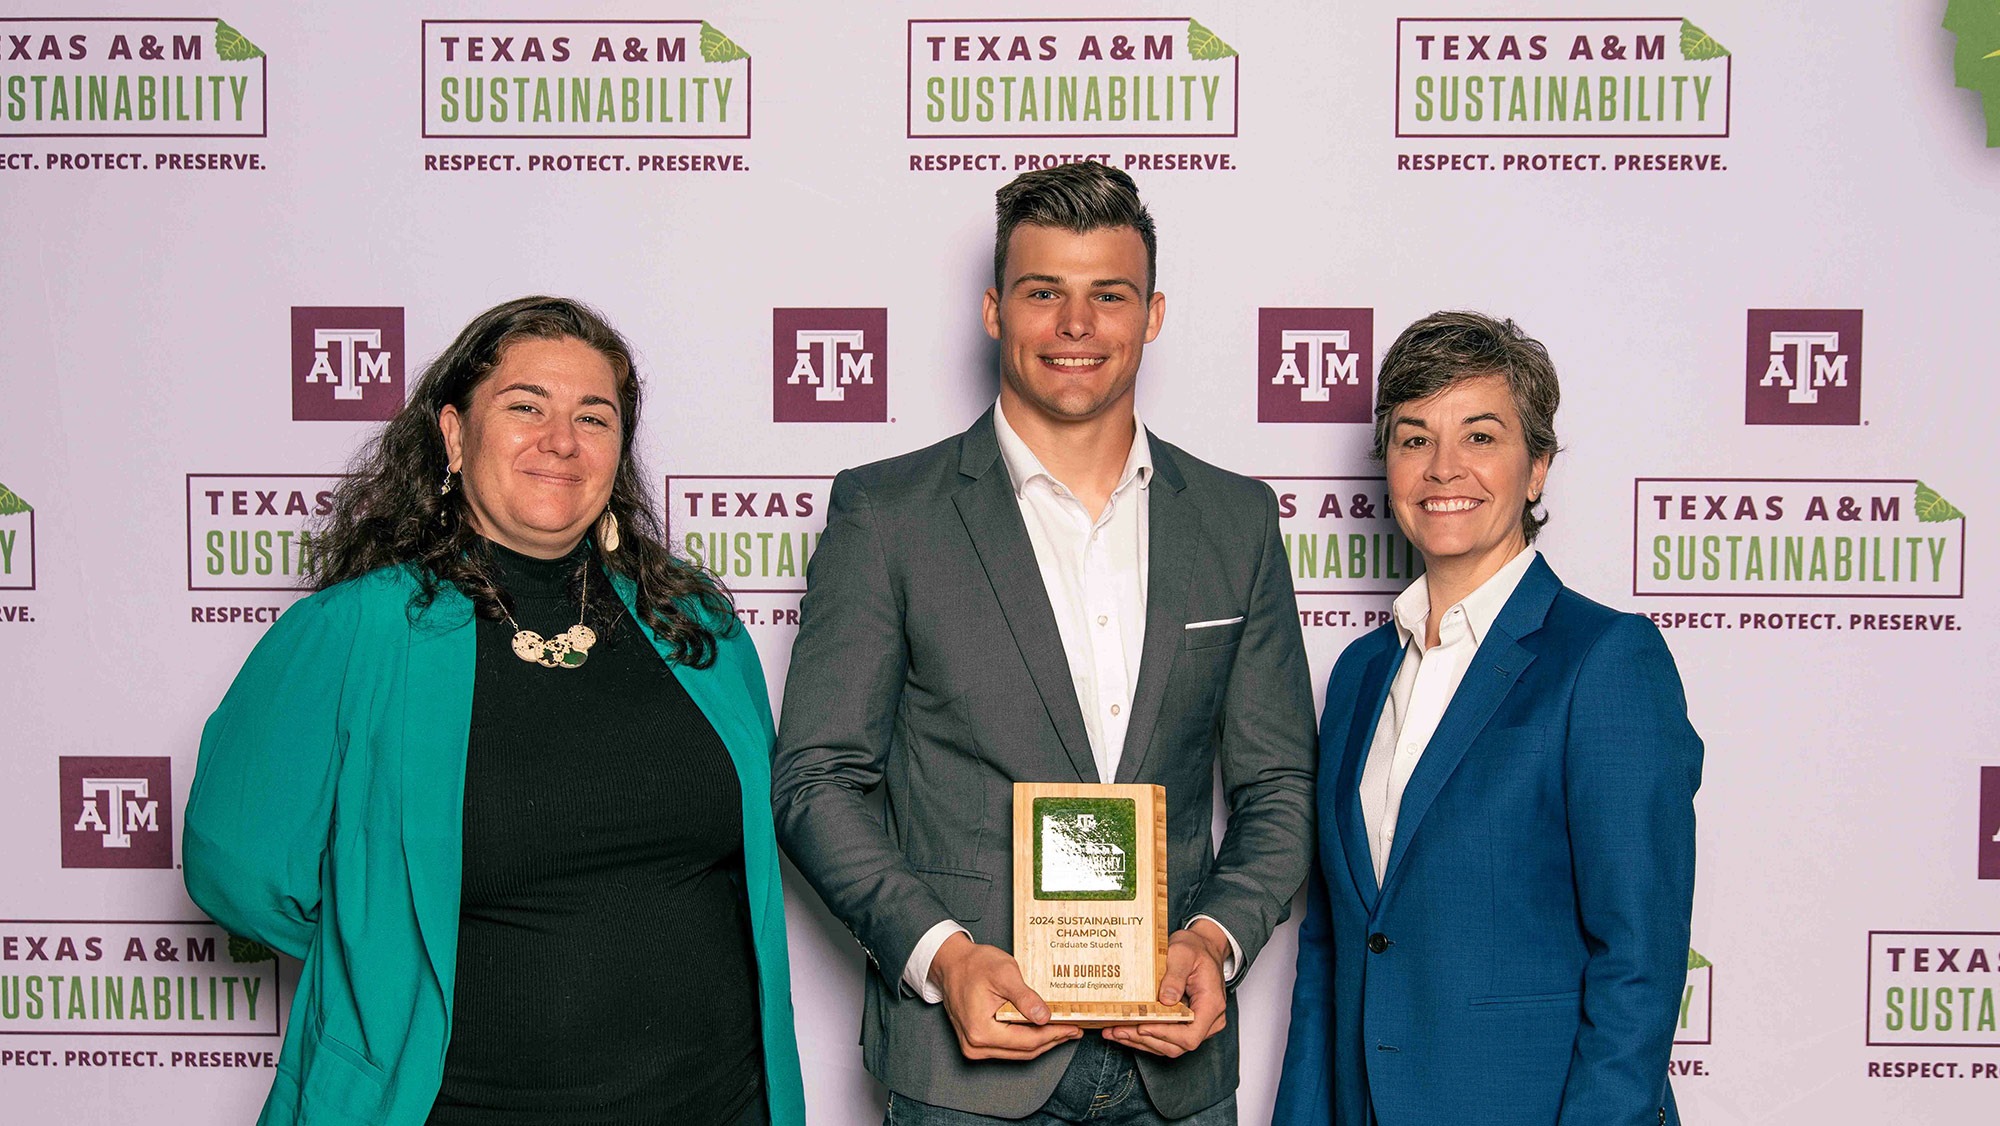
(1082, 196)
(1448, 348)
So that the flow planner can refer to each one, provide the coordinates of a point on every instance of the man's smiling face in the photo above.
(1075, 316)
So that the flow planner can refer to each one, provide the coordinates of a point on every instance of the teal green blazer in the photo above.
(326, 821)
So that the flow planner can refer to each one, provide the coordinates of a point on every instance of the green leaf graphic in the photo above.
(1934, 509)
(1205, 45)
(1698, 45)
(231, 46)
(244, 951)
(1696, 961)
(11, 502)
(1976, 62)
(717, 47)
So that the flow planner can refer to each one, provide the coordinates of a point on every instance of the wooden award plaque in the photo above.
(1090, 901)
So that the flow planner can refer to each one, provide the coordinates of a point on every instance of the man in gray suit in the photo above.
(1054, 595)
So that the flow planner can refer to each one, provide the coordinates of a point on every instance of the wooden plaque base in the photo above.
(1102, 1014)
(1090, 901)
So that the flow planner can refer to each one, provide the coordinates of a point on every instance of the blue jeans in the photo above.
(1101, 1087)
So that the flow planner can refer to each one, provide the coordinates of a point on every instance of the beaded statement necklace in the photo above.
(566, 650)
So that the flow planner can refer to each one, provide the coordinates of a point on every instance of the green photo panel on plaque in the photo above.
(1086, 848)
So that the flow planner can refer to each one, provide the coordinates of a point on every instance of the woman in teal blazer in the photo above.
(334, 811)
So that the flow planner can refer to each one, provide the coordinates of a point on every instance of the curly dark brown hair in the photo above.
(388, 510)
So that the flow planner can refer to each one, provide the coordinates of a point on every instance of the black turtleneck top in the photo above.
(605, 967)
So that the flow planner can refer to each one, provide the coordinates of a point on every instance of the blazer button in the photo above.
(1377, 943)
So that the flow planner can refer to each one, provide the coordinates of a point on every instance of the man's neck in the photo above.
(1087, 455)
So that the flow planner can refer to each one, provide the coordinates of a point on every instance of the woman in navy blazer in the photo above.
(1497, 925)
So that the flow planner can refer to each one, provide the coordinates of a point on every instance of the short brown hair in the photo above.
(1082, 196)
(1448, 348)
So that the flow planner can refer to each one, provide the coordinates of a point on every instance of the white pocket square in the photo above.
(1216, 622)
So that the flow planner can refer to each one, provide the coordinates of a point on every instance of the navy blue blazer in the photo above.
(1522, 962)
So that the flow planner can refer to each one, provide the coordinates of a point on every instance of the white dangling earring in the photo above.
(607, 532)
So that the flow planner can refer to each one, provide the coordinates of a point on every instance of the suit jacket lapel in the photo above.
(992, 518)
(1496, 666)
(1171, 527)
(1376, 677)
(437, 717)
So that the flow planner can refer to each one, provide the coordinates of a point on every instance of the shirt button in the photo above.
(1101, 619)
(1114, 709)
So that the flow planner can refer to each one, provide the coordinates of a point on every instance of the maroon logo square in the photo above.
(1803, 368)
(1315, 365)
(829, 365)
(117, 811)
(1989, 822)
(347, 363)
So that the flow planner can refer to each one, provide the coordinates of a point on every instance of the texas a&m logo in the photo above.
(830, 365)
(1315, 365)
(1803, 368)
(347, 363)
(117, 811)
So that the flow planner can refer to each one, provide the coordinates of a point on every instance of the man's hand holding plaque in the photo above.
(1195, 957)
(976, 981)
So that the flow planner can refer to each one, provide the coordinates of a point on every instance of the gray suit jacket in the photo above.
(928, 663)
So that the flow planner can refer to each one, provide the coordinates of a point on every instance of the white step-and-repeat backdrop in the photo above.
(1761, 242)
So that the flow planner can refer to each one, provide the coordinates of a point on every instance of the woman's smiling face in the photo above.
(538, 445)
(1460, 475)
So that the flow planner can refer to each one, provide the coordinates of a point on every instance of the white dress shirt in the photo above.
(1094, 570)
(1424, 685)
(1095, 574)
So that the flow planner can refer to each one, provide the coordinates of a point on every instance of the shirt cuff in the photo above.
(1229, 964)
(917, 974)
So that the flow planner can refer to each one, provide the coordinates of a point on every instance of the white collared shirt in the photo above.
(1095, 573)
(1424, 685)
